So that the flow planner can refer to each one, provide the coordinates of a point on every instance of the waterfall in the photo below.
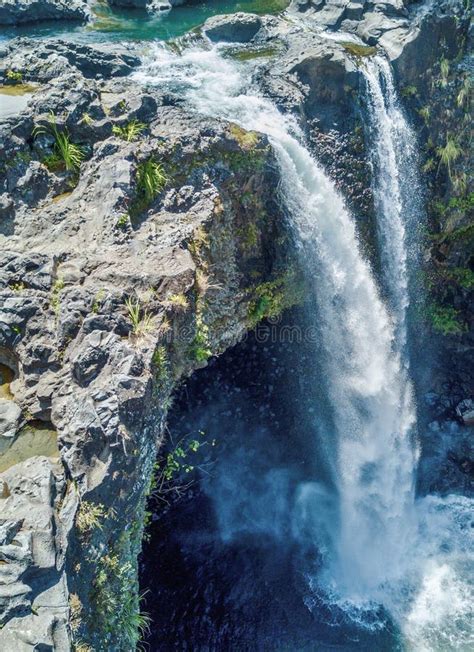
(371, 537)
(395, 185)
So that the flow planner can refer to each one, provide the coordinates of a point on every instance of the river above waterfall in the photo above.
(120, 24)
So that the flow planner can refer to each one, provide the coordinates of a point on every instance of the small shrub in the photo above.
(123, 221)
(129, 132)
(464, 277)
(425, 114)
(87, 120)
(89, 516)
(98, 301)
(75, 611)
(161, 364)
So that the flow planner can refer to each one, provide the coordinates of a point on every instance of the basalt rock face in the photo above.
(81, 251)
(15, 12)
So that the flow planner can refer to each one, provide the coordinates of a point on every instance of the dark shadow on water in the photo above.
(222, 566)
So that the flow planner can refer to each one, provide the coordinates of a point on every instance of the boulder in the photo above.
(10, 415)
(15, 12)
(234, 28)
(465, 411)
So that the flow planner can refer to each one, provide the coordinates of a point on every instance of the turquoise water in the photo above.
(138, 25)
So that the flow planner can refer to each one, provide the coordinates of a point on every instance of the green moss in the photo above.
(356, 50)
(409, 91)
(446, 320)
(463, 276)
(14, 76)
(249, 54)
(270, 299)
(247, 140)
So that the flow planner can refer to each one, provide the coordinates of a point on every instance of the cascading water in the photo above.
(371, 536)
(395, 184)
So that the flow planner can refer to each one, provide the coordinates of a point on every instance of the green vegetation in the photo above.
(161, 365)
(463, 276)
(142, 321)
(87, 120)
(449, 153)
(464, 95)
(446, 320)
(56, 290)
(200, 348)
(246, 139)
(358, 51)
(272, 298)
(178, 301)
(444, 70)
(172, 470)
(129, 132)
(409, 91)
(425, 113)
(123, 221)
(99, 297)
(66, 155)
(115, 593)
(90, 516)
(150, 179)
(249, 54)
(14, 76)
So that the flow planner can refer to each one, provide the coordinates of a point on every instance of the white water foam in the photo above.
(381, 546)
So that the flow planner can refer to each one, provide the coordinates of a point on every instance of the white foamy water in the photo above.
(381, 547)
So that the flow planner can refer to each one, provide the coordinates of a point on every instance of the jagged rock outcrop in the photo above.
(15, 12)
(108, 298)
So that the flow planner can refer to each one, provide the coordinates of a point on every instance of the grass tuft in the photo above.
(129, 132)
(66, 154)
